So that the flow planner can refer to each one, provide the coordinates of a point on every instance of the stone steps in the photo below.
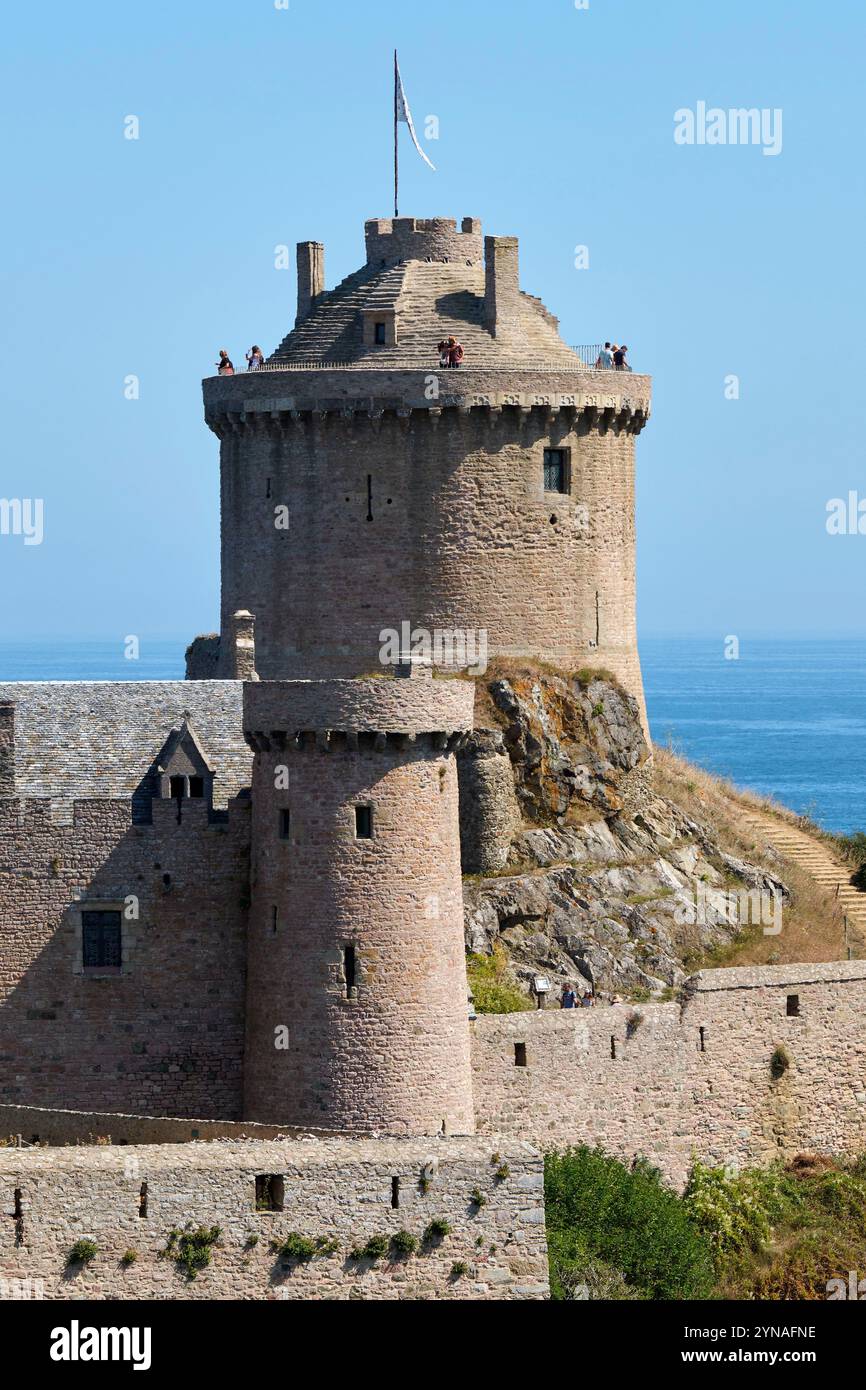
(820, 863)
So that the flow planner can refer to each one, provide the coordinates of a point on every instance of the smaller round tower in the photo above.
(356, 982)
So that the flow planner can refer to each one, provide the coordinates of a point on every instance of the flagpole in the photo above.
(395, 133)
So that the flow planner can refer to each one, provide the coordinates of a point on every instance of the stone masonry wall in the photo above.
(441, 523)
(164, 1035)
(343, 1190)
(669, 1081)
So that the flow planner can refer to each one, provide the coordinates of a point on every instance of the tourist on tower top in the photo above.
(225, 366)
(255, 358)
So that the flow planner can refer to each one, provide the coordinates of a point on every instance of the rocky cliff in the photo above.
(572, 861)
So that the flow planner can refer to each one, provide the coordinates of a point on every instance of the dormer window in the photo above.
(182, 769)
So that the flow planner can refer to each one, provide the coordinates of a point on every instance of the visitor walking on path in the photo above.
(568, 998)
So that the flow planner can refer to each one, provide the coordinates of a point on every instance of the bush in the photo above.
(191, 1248)
(493, 988)
(437, 1230)
(129, 1257)
(404, 1243)
(294, 1247)
(376, 1247)
(82, 1252)
(599, 1210)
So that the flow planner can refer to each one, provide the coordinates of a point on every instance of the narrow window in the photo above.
(703, 1040)
(349, 968)
(363, 822)
(177, 787)
(100, 933)
(274, 921)
(793, 1006)
(379, 333)
(612, 1046)
(285, 822)
(142, 1200)
(556, 470)
(269, 1192)
(395, 1192)
(196, 786)
(369, 496)
(520, 1054)
(19, 1218)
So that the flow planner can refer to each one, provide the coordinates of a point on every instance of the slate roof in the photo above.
(93, 740)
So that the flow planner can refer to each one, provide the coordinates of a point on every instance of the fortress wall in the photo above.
(462, 537)
(340, 1189)
(166, 1034)
(43, 1125)
(661, 1096)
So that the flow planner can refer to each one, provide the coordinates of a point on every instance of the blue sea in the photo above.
(786, 718)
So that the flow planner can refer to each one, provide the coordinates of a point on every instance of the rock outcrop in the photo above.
(572, 861)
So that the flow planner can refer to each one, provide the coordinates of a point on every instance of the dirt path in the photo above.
(817, 859)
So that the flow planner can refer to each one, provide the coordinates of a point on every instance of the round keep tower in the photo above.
(365, 489)
(356, 983)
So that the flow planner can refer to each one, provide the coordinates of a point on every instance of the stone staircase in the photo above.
(818, 860)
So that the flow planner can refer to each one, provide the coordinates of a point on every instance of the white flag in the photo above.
(404, 114)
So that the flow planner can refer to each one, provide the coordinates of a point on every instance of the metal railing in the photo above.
(588, 353)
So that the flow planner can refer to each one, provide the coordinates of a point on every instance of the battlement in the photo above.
(312, 712)
(391, 240)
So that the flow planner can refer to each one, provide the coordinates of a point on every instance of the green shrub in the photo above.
(599, 1210)
(376, 1247)
(477, 1198)
(302, 1248)
(191, 1248)
(437, 1230)
(82, 1252)
(129, 1257)
(458, 1269)
(404, 1243)
(493, 987)
(294, 1247)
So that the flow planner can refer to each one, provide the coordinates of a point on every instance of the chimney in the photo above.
(311, 276)
(7, 748)
(501, 286)
(239, 663)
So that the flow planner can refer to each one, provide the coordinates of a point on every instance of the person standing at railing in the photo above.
(605, 358)
(255, 358)
(455, 352)
(619, 362)
(225, 366)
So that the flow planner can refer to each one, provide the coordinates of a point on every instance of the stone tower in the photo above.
(356, 984)
(363, 488)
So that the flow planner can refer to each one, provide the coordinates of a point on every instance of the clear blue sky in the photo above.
(261, 126)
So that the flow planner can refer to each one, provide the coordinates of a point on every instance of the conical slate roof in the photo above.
(431, 278)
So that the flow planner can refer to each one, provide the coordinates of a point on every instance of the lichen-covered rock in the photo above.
(570, 744)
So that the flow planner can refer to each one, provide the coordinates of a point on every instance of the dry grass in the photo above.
(812, 925)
